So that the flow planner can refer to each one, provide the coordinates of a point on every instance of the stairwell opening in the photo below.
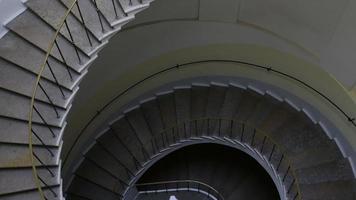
(231, 172)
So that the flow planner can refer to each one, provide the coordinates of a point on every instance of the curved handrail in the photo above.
(266, 138)
(34, 92)
(349, 118)
(199, 183)
(257, 144)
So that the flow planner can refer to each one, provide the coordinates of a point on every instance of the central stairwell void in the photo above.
(219, 172)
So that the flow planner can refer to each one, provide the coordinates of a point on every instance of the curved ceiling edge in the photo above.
(246, 83)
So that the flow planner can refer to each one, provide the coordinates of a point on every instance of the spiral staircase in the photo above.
(301, 157)
(297, 153)
(87, 29)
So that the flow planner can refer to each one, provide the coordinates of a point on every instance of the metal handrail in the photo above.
(266, 137)
(348, 117)
(199, 183)
(38, 180)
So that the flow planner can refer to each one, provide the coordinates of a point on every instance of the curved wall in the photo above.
(136, 63)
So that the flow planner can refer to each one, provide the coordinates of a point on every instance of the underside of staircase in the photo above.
(303, 160)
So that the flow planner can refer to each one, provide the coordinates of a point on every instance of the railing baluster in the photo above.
(272, 151)
(71, 38)
(253, 137)
(114, 6)
(99, 16)
(219, 131)
(290, 186)
(231, 128)
(55, 79)
(163, 141)
(81, 17)
(173, 134)
(121, 8)
(280, 162)
(125, 147)
(49, 99)
(208, 126)
(44, 121)
(285, 174)
(242, 132)
(130, 173)
(185, 131)
(43, 164)
(63, 59)
(263, 144)
(295, 196)
(43, 144)
(48, 187)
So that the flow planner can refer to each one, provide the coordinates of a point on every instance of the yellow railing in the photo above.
(42, 68)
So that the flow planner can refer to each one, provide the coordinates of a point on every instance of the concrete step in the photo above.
(23, 54)
(168, 114)
(263, 109)
(101, 176)
(154, 120)
(51, 193)
(248, 103)
(17, 180)
(299, 134)
(133, 6)
(108, 162)
(17, 156)
(335, 190)
(17, 107)
(125, 132)
(53, 11)
(316, 156)
(112, 10)
(31, 28)
(119, 150)
(199, 95)
(22, 82)
(90, 190)
(94, 19)
(182, 99)
(231, 101)
(275, 119)
(216, 99)
(138, 123)
(337, 170)
(15, 131)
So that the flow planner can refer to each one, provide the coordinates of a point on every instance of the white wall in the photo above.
(9, 9)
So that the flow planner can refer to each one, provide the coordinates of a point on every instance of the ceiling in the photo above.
(322, 30)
